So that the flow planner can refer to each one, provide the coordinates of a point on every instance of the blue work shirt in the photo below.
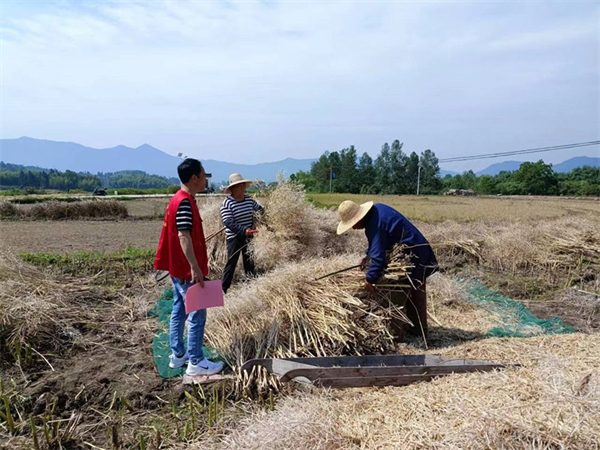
(386, 227)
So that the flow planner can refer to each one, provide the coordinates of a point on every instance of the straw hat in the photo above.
(351, 213)
(234, 179)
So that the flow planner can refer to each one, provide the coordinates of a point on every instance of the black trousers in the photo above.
(415, 308)
(235, 246)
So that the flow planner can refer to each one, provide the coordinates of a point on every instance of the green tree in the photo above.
(537, 178)
(430, 171)
(366, 175)
(411, 173)
(398, 168)
(347, 176)
(383, 171)
(335, 165)
(305, 179)
(319, 172)
(486, 185)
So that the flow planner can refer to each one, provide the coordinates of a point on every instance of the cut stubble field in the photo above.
(62, 317)
(144, 230)
(470, 209)
(69, 236)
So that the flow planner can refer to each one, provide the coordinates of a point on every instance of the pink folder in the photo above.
(209, 296)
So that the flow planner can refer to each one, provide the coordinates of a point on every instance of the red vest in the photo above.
(170, 255)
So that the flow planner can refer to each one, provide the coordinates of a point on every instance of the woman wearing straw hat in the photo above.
(386, 227)
(237, 213)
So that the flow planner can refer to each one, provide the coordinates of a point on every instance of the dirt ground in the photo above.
(79, 235)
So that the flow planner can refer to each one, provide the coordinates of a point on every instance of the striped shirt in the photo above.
(238, 216)
(184, 215)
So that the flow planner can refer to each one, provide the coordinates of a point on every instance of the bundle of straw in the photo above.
(287, 313)
(576, 248)
(398, 268)
(34, 309)
(291, 229)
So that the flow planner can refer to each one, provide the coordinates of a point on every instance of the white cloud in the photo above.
(260, 81)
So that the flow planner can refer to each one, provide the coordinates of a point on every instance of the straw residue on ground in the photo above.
(551, 402)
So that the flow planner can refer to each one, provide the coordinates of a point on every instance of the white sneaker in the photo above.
(176, 363)
(204, 367)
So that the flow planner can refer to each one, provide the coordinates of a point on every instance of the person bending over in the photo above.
(385, 227)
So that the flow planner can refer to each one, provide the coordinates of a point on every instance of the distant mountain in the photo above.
(495, 169)
(79, 158)
(578, 161)
(264, 171)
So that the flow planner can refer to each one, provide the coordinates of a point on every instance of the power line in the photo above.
(521, 152)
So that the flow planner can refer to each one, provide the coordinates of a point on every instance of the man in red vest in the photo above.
(182, 252)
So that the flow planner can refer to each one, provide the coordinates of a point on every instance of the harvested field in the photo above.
(77, 236)
(76, 346)
(472, 209)
(153, 208)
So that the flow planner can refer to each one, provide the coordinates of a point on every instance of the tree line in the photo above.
(532, 178)
(136, 179)
(16, 177)
(392, 172)
(395, 172)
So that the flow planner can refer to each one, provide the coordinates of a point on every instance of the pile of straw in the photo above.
(41, 313)
(287, 313)
(291, 229)
(213, 231)
(582, 248)
(551, 402)
(55, 210)
(34, 311)
(545, 251)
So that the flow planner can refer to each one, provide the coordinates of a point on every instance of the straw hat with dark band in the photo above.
(351, 213)
(234, 179)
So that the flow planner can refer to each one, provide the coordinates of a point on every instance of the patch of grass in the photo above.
(33, 200)
(148, 191)
(26, 191)
(320, 203)
(9, 192)
(125, 262)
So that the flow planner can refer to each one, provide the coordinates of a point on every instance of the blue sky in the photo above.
(260, 81)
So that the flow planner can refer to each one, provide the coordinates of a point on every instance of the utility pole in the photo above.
(419, 176)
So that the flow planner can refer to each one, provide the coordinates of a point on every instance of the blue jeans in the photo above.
(196, 320)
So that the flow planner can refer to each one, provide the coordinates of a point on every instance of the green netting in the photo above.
(160, 343)
(517, 320)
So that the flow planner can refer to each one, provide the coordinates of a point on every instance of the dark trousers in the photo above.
(235, 246)
(415, 308)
